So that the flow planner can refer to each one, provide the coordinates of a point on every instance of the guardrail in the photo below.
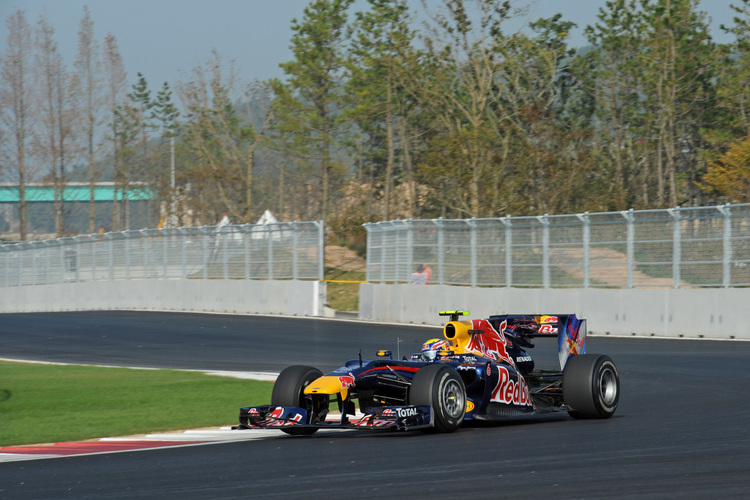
(289, 250)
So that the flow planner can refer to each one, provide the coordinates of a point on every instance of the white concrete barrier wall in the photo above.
(288, 297)
(715, 313)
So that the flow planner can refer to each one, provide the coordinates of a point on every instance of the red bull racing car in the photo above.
(479, 370)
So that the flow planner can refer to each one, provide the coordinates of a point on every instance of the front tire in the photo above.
(591, 386)
(289, 390)
(441, 388)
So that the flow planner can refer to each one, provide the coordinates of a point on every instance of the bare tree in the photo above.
(116, 85)
(88, 67)
(223, 144)
(15, 107)
(52, 137)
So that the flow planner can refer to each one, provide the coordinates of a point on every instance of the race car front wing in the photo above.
(402, 418)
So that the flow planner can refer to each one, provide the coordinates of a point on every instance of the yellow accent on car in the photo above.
(469, 406)
(450, 313)
(458, 334)
(327, 385)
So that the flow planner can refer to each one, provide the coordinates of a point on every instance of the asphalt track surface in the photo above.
(682, 429)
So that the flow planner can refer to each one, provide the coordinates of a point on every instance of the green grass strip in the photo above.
(53, 403)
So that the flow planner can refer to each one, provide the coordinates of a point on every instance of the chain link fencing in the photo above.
(674, 248)
(290, 250)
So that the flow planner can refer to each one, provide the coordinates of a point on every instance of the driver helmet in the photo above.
(433, 346)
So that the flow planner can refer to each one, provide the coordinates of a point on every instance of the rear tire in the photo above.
(441, 388)
(289, 390)
(591, 386)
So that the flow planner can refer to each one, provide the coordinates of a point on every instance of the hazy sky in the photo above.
(164, 39)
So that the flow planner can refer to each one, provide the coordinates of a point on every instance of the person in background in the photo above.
(422, 275)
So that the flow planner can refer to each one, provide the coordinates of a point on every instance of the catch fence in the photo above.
(290, 250)
(674, 248)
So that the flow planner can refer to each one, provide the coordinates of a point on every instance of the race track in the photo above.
(681, 430)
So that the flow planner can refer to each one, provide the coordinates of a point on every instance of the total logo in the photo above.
(400, 412)
(406, 412)
(509, 391)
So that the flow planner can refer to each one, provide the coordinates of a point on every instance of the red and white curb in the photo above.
(134, 443)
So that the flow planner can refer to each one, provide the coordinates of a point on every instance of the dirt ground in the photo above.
(344, 258)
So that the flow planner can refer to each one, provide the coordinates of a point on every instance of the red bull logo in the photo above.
(491, 343)
(275, 419)
(576, 343)
(346, 381)
(510, 391)
(277, 413)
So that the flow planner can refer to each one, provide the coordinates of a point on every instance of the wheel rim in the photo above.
(608, 386)
(453, 398)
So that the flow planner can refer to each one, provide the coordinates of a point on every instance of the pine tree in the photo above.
(165, 114)
(376, 69)
(309, 106)
(116, 83)
(221, 144)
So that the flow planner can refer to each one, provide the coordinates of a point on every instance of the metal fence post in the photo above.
(61, 253)
(205, 255)
(630, 218)
(409, 250)
(92, 245)
(508, 223)
(145, 243)
(368, 251)
(440, 249)
(47, 270)
(473, 250)
(110, 252)
(584, 218)
(78, 260)
(397, 250)
(295, 251)
(676, 246)
(228, 231)
(127, 235)
(544, 221)
(183, 238)
(726, 257)
(247, 240)
(321, 249)
(165, 250)
(382, 252)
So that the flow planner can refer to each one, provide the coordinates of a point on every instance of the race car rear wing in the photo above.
(569, 330)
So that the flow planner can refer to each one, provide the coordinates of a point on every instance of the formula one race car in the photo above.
(480, 370)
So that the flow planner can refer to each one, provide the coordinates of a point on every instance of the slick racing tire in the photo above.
(289, 391)
(591, 386)
(440, 387)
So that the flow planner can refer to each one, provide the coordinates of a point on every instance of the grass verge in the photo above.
(52, 403)
(343, 296)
